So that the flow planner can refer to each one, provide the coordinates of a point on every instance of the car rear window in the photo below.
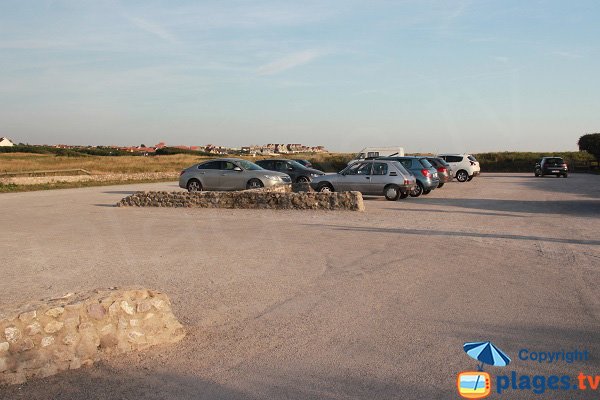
(425, 163)
(454, 158)
(555, 160)
(471, 158)
(380, 168)
(407, 163)
(401, 168)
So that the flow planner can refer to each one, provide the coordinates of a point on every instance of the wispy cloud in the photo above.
(567, 54)
(288, 62)
(153, 29)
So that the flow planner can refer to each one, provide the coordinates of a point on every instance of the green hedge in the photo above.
(525, 161)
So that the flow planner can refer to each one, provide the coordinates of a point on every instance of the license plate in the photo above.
(554, 171)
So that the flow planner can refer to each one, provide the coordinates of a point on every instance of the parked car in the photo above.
(465, 166)
(298, 172)
(229, 174)
(424, 172)
(306, 163)
(376, 177)
(369, 153)
(551, 166)
(444, 170)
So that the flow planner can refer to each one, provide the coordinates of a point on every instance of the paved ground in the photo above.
(323, 305)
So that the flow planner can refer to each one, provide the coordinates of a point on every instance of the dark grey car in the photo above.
(443, 168)
(298, 172)
(229, 174)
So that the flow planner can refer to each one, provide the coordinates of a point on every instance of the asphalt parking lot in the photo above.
(322, 305)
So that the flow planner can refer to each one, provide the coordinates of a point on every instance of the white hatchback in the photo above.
(465, 166)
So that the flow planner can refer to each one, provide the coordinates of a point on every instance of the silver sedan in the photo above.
(375, 177)
(229, 174)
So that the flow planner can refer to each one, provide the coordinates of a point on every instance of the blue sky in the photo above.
(427, 75)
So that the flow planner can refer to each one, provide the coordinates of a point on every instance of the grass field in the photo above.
(15, 162)
(328, 162)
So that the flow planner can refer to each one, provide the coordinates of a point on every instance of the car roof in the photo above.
(222, 159)
(395, 158)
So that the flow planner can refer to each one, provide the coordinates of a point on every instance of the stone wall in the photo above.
(249, 199)
(37, 180)
(43, 338)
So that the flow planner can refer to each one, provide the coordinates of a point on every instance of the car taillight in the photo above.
(182, 172)
(426, 173)
(406, 182)
(442, 170)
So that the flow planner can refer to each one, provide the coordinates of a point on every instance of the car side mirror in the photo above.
(238, 169)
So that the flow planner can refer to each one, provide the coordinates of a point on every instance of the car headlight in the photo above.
(273, 177)
(315, 175)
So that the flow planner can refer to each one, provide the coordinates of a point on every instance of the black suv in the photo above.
(298, 172)
(551, 166)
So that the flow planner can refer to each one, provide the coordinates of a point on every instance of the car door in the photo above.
(379, 178)
(230, 177)
(454, 162)
(208, 174)
(285, 168)
(357, 177)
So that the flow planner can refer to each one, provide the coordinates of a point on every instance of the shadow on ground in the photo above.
(100, 382)
(583, 208)
(429, 233)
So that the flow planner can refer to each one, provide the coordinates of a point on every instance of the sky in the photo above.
(431, 76)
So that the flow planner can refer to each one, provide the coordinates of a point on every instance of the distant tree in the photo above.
(591, 144)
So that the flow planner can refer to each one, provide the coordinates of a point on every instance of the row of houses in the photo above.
(282, 148)
(268, 149)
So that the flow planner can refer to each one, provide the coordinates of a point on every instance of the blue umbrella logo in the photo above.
(486, 353)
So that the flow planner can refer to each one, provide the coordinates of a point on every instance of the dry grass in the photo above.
(15, 162)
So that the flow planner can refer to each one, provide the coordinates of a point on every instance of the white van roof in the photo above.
(388, 148)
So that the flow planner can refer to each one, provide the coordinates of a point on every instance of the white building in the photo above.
(5, 142)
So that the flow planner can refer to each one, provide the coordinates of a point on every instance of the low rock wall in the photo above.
(249, 199)
(43, 338)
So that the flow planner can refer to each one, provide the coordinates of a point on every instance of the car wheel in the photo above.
(537, 173)
(325, 188)
(462, 176)
(427, 191)
(391, 192)
(565, 175)
(302, 179)
(470, 178)
(440, 184)
(403, 195)
(417, 191)
(194, 185)
(542, 173)
(254, 184)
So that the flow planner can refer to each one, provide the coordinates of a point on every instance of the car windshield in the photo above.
(249, 165)
(425, 163)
